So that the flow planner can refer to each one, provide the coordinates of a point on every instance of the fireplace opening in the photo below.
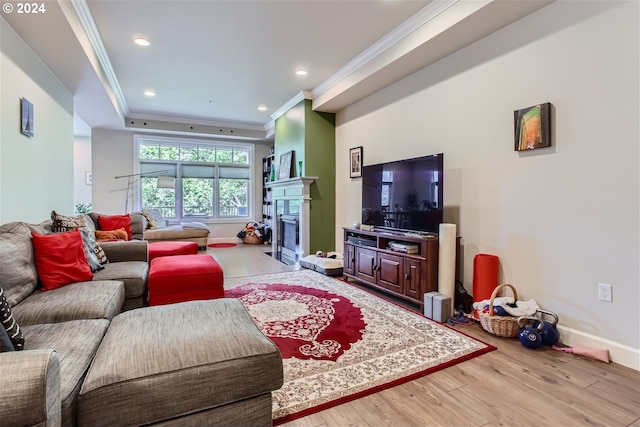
(289, 239)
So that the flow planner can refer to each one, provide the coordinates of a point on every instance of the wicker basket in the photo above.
(252, 238)
(501, 326)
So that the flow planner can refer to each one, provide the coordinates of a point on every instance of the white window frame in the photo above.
(141, 139)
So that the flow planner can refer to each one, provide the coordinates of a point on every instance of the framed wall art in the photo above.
(355, 162)
(532, 127)
(26, 117)
(285, 165)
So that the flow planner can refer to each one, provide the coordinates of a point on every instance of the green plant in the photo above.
(82, 208)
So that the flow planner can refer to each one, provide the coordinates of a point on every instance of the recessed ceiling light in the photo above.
(141, 42)
(149, 93)
(262, 107)
(301, 72)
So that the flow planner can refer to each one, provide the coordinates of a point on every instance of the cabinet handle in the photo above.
(406, 277)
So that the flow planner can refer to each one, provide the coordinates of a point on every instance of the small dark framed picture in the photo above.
(355, 162)
(532, 127)
(26, 116)
(284, 172)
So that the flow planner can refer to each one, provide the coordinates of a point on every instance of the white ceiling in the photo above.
(213, 62)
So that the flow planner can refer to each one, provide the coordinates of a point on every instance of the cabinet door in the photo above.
(413, 278)
(391, 272)
(366, 264)
(349, 259)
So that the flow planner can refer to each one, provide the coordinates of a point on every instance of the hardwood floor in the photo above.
(511, 386)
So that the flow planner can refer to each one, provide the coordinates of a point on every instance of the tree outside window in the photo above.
(213, 180)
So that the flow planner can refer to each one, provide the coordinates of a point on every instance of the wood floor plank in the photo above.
(511, 386)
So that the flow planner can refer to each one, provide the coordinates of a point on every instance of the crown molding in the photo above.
(415, 22)
(100, 53)
(301, 96)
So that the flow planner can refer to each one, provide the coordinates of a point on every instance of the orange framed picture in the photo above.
(533, 127)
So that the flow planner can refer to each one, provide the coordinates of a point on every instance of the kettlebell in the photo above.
(530, 336)
(550, 334)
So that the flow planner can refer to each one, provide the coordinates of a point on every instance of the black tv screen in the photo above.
(404, 195)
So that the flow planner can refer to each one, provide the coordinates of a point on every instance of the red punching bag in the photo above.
(485, 276)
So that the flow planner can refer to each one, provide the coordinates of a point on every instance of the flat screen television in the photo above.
(404, 195)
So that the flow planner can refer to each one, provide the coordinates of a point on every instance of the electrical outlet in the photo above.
(605, 292)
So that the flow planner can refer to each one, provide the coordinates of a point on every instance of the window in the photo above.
(213, 179)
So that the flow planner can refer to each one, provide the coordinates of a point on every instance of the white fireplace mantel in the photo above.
(293, 189)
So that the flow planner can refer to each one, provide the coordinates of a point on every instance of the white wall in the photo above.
(81, 165)
(561, 219)
(113, 155)
(36, 174)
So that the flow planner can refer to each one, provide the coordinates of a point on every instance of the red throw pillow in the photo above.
(60, 259)
(113, 222)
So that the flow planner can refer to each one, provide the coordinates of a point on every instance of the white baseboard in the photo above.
(619, 353)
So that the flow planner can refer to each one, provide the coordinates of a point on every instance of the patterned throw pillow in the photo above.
(97, 249)
(155, 218)
(89, 244)
(10, 325)
(63, 223)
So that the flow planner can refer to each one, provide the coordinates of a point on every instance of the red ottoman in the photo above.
(182, 278)
(158, 249)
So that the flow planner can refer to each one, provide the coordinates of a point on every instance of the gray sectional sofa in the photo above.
(87, 363)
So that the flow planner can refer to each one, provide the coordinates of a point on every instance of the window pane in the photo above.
(188, 154)
(163, 199)
(206, 154)
(169, 152)
(241, 156)
(150, 151)
(197, 197)
(224, 155)
(233, 197)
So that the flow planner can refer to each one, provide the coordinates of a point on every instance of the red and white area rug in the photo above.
(339, 343)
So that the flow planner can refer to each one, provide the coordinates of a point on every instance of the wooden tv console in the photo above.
(369, 260)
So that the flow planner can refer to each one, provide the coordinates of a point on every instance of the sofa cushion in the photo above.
(100, 299)
(75, 343)
(60, 259)
(18, 272)
(175, 232)
(132, 273)
(114, 222)
(187, 357)
(9, 323)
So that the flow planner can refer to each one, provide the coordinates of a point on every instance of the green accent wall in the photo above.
(311, 136)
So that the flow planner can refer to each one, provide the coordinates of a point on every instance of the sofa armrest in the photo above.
(131, 250)
(30, 383)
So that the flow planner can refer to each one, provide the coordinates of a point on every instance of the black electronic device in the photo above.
(362, 241)
(404, 194)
